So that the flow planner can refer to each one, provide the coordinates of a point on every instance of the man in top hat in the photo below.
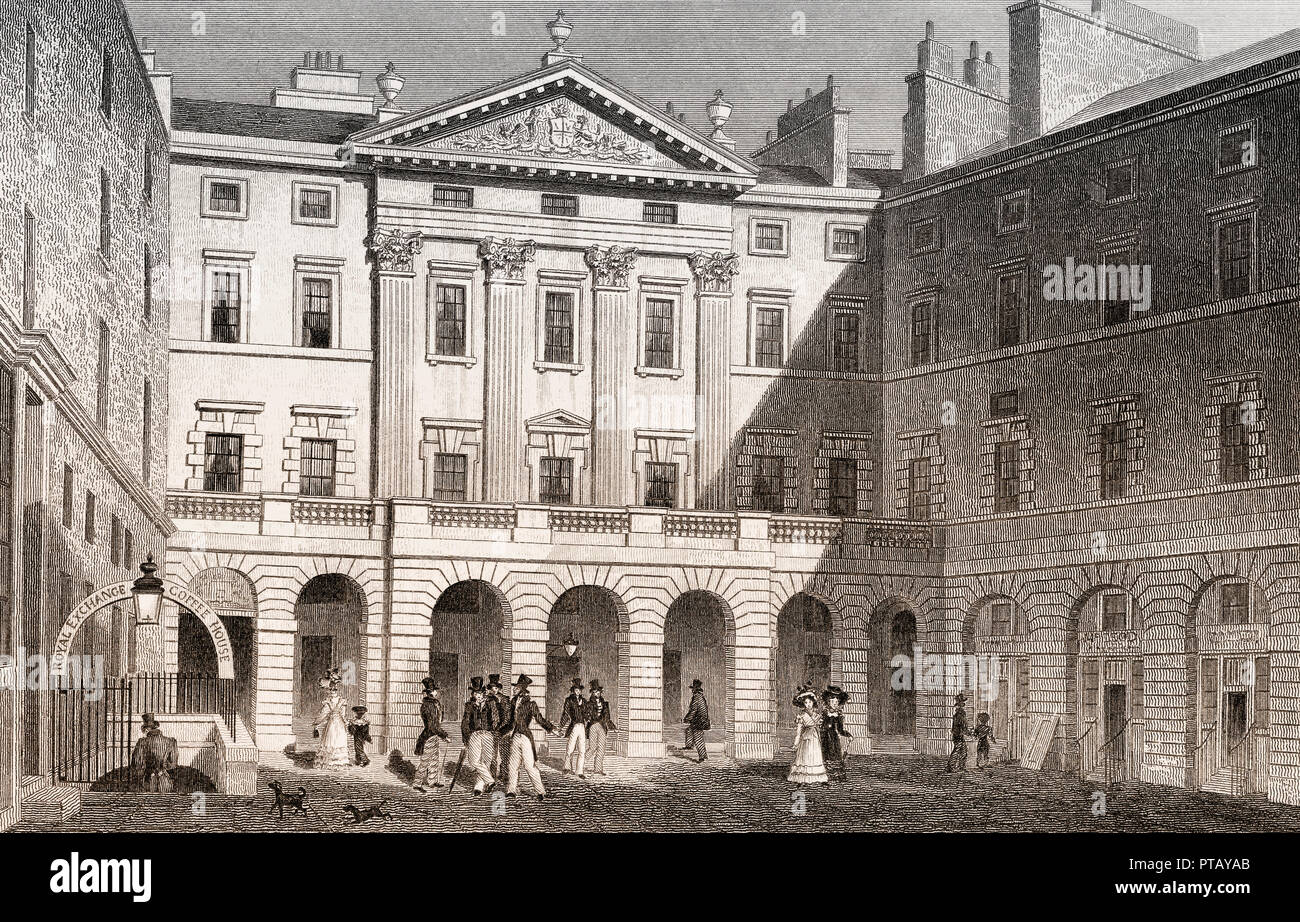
(478, 729)
(832, 728)
(959, 731)
(501, 751)
(573, 723)
(523, 711)
(697, 720)
(154, 759)
(433, 759)
(599, 724)
(359, 727)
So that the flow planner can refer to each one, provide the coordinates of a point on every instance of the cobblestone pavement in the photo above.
(882, 794)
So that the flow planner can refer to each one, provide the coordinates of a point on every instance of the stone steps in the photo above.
(45, 803)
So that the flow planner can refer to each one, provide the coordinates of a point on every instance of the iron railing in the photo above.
(1114, 755)
(1088, 746)
(1207, 761)
(1240, 763)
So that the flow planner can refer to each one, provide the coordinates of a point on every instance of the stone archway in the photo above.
(803, 653)
(330, 614)
(595, 617)
(468, 629)
(895, 675)
(233, 597)
(700, 643)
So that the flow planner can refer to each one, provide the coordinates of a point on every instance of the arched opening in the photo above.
(997, 672)
(699, 643)
(232, 596)
(590, 616)
(1111, 686)
(330, 612)
(803, 654)
(1229, 678)
(893, 711)
(468, 624)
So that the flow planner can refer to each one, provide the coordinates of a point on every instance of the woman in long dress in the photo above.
(332, 725)
(808, 767)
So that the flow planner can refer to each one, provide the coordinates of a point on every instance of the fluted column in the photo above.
(612, 365)
(713, 275)
(398, 432)
(505, 478)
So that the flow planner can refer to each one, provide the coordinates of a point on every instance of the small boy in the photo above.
(983, 740)
(359, 727)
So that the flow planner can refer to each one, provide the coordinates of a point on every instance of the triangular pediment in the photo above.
(562, 117)
(558, 421)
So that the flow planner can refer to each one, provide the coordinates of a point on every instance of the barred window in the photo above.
(843, 486)
(1234, 465)
(223, 463)
(1115, 309)
(1004, 404)
(1013, 212)
(845, 241)
(661, 484)
(1237, 148)
(1114, 612)
(1010, 308)
(115, 541)
(556, 481)
(659, 333)
(659, 213)
(227, 305)
(919, 485)
(453, 196)
(316, 204)
(769, 337)
(450, 478)
(1120, 181)
(563, 206)
(1114, 459)
(1001, 616)
(225, 197)
(559, 327)
(1236, 257)
(922, 332)
(317, 472)
(769, 483)
(317, 313)
(769, 237)
(449, 319)
(1234, 603)
(1007, 460)
(67, 496)
(846, 330)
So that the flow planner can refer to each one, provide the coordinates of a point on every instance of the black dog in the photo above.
(297, 802)
(370, 813)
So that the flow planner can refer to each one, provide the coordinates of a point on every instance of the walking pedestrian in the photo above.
(501, 751)
(959, 733)
(600, 723)
(573, 723)
(808, 767)
(478, 729)
(697, 721)
(832, 728)
(983, 740)
(523, 753)
(359, 727)
(431, 744)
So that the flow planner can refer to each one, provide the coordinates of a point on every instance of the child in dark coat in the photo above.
(983, 740)
(359, 727)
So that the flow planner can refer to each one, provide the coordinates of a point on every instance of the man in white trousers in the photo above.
(523, 711)
(478, 732)
(574, 723)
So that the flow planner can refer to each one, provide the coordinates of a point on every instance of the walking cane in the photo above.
(459, 765)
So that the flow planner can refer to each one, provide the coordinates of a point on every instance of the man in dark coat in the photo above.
(600, 723)
(573, 724)
(697, 720)
(359, 727)
(433, 758)
(832, 728)
(478, 729)
(959, 732)
(500, 752)
(523, 711)
(154, 759)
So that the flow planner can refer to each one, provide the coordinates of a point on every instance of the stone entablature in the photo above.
(1110, 643)
(1232, 638)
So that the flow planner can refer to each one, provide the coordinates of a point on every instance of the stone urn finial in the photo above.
(560, 30)
(719, 111)
(390, 83)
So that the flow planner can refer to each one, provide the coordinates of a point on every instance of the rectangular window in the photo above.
(561, 206)
(7, 523)
(1120, 182)
(148, 283)
(101, 383)
(845, 339)
(661, 485)
(317, 467)
(1234, 603)
(453, 197)
(1010, 309)
(29, 100)
(450, 478)
(1114, 612)
(67, 496)
(1236, 256)
(147, 180)
(1234, 466)
(768, 237)
(223, 463)
(105, 214)
(843, 486)
(922, 332)
(115, 541)
(918, 489)
(29, 269)
(1091, 690)
(146, 434)
(769, 337)
(659, 333)
(559, 328)
(449, 319)
(1001, 614)
(1004, 404)
(106, 84)
(316, 204)
(924, 236)
(317, 313)
(846, 241)
(1263, 680)
(90, 517)
(226, 197)
(556, 481)
(1007, 461)
(769, 483)
(227, 307)
(1013, 212)
(1237, 149)
(1115, 309)
(1114, 459)
(659, 213)
(128, 549)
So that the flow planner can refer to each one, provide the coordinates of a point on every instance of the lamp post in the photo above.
(147, 593)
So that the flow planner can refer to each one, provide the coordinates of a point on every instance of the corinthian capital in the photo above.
(611, 266)
(394, 251)
(504, 260)
(714, 271)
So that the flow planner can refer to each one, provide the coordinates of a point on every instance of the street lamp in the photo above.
(570, 645)
(147, 591)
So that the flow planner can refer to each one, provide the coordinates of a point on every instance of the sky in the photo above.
(759, 52)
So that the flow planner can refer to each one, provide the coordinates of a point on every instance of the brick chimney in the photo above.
(321, 82)
(1063, 59)
(813, 134)
(948, 119)
(161, 82)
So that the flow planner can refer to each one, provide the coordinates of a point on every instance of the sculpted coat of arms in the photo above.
(556, 131)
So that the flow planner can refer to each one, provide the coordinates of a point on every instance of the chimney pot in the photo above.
(681, 117)
(306, 59)
(668, 107)
(771, 136)
(974, 51)
(929, 30)
(988, 57)
(789, 104)
(807, 92)
(830, 81)
(339, 62)
(1096, 7)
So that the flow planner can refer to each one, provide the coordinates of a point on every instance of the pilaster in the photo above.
(713, 276)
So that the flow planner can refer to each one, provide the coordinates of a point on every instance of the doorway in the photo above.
(1116, 716)
(900, 714)
(315, 658)
(1235, 719)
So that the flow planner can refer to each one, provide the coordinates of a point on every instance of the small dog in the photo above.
(376, 812)
(297, 802)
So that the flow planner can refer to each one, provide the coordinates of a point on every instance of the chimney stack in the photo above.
(813, 134)
(161, 82)
(322, 83)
